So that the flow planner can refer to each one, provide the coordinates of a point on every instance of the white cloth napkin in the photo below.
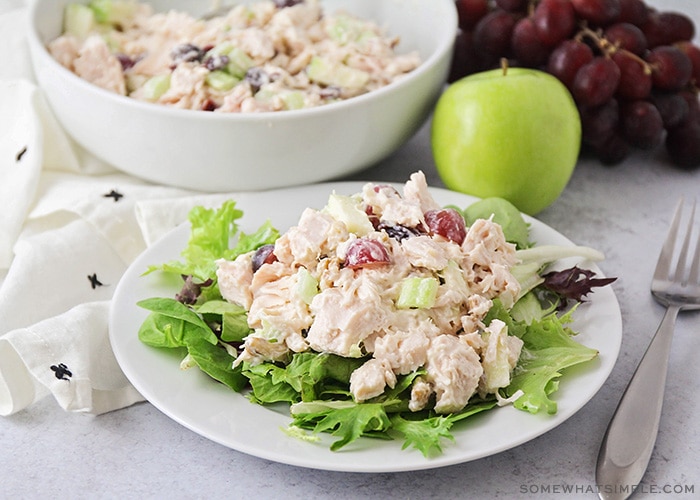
(69, 227)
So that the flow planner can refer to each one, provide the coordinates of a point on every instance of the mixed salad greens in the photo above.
(210, 331)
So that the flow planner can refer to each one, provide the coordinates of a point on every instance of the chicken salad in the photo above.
(263, 56)
(380, 314)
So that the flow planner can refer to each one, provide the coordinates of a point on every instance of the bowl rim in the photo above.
(445, 46)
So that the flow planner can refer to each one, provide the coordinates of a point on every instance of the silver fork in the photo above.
(629, 440)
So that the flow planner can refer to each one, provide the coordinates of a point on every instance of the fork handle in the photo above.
(631, 434)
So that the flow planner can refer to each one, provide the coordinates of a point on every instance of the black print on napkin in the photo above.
(21, 154)
(94, 282)
(114, 194)
(61, 371)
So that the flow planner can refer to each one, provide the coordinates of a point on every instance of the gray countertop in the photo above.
(624, 211)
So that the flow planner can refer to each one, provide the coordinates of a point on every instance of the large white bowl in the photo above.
(225, 152)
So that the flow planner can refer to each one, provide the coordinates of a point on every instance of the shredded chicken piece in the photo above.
(342, 322)
(370, 380)
(96, 64)
(403, 351)
(65, 50)
(235, 278)
(454, 370)
(187, 82)
(421, 391)
(257, 350)
(424, 251)
(416, 190)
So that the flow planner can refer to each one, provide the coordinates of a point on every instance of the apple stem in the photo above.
(504, 65)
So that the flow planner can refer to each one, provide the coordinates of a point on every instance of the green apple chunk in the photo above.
(512, 133)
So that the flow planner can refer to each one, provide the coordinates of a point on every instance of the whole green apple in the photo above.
(512, 133)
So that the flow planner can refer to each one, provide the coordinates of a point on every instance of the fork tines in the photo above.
(681, 272)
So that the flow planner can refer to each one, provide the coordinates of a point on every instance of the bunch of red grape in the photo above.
(632, 70)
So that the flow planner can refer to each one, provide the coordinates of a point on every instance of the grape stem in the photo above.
(531, 5)
(609, 49)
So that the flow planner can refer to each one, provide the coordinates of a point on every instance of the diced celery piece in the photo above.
(417, 292)
(365, 36)
(454, 278)
(112, 11)
(355, 351)
(78, 20)
(102, 10)
(495, 357)
(221, 49)
(242, 11)
(327, 73)
(347, 29)
(268, 332)
(345, 209)
(293, 100)
(307, 285)
(112, 44)
(134, 81)
(220, 80)
(340, 30)
(239, 62)
(156, 86)
(265, 95)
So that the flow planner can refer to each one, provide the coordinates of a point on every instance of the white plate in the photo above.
(226, 417)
